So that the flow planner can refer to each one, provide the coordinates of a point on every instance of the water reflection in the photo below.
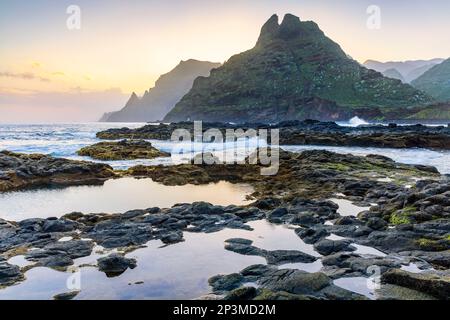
(179, 271)
(115, 196)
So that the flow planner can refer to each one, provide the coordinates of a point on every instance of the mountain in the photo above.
(409, 70)
(393, 74)
(293, 72)
(436, 81)
(436, 112)
(168, 90)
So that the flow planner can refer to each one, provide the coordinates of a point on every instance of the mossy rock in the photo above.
(122, 150)
(402, 216)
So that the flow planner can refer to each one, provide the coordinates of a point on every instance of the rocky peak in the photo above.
(291, 27)
(269, 30)
(133, 98)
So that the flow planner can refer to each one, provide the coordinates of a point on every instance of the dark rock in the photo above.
(239, 241)
(245, 249)
(222, 283)
(172, 237)
(267, 203)
(276, 214)
(433, 284)
(244, 293)
(115, 264)
(306, 219)
(60, 225)
(312, 235)
(296, 281)
(66, 295)
(352, 263)
(43, 170)
(376, 223)
(326, 247)
(346, 221)
(288, 256)
(60, 254)
(9, 274)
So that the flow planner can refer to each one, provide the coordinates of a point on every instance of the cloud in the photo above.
(36, 64)
(77, 104)
(23, 75)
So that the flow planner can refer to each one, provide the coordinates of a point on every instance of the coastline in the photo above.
(408, 233)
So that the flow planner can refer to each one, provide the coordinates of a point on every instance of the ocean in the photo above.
(64, 139)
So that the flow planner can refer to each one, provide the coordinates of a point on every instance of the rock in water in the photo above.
(122, 150)
(115, 264)
(293, 72)
(66, 295)
(9, 274)
(18, 171)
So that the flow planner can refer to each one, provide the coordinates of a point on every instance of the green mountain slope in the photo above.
(293, 72)
(436, 81)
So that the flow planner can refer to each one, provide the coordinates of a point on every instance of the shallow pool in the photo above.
(115, 196)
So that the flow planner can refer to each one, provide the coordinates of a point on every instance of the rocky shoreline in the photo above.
(408, 222)
(19, 171)
(310, 132)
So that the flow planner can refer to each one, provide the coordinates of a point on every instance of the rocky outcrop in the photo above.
(18, 171)
(115, 264)
(276, 257)
(122, 150)
(293, 72)
(435, 284)
(159, 100)
(280, 284)
(309, 132)
(9, 274)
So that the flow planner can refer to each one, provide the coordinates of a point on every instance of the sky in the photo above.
(49, 72)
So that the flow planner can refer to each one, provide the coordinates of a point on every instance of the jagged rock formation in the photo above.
(410, 70)
(293, 72)
(168, 90)
(436, 82)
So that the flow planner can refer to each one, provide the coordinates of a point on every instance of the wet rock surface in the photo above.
(18, 171)
(60, 254)
(279, 284)
(9, 274)
(407, 225)
(435, 284)
(66, 295)
(122, 150)
(275, 257)
(115, 264)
